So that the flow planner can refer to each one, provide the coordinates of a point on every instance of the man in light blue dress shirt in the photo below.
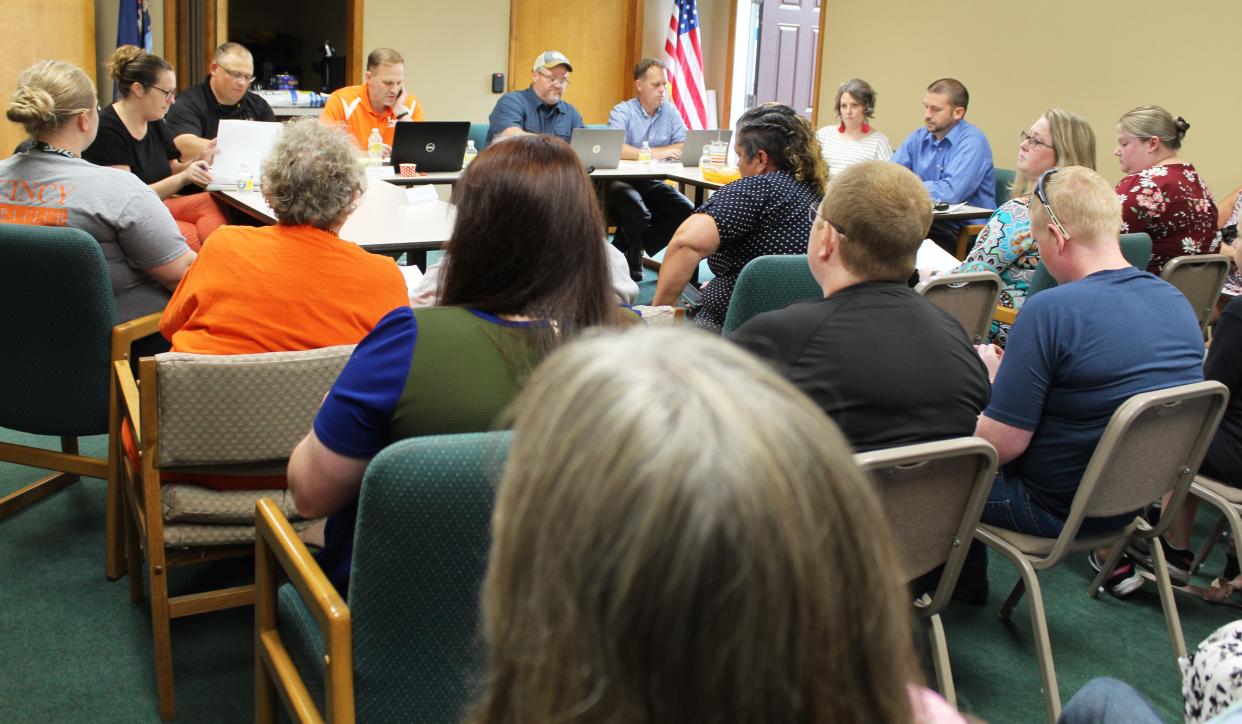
(647, 211)
(951, 156)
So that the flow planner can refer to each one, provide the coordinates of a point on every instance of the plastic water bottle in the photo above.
(471, 152)
(375, 147)
(644, 155)
(705, 160)
(245, 179)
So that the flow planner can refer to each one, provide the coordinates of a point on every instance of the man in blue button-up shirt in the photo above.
(647, 212)
(951, 156)
(539, 108)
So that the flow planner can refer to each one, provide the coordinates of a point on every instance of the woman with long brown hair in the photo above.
(525, 272)
(688, 543)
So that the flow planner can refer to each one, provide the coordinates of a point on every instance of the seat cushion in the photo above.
(258, 477)
(1033, 545)
(185, 535)
(196, 504)
(1228, 492)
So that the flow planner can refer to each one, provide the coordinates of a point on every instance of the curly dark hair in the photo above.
(787, 138)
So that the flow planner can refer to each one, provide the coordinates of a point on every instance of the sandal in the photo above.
(1223, 591)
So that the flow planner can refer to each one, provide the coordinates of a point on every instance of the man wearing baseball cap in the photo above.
(538, 108)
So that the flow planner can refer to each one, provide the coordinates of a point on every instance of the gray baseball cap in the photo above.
(551, 59)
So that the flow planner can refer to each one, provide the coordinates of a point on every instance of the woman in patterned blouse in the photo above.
(1005, 246)
(1162, 194)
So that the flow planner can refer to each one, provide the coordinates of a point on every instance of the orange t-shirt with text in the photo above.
(351, 106)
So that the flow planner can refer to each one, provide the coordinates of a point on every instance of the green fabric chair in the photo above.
(478, 134)
(420, 552)
(1004, 179)
(1135, 247)
(767, 283)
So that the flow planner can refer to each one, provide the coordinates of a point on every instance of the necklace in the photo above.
(46, 148)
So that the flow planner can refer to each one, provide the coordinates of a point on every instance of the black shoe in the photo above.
(1124, 579)
(636, 274)
(1231, 565)
(1176, 559)
(972, 587)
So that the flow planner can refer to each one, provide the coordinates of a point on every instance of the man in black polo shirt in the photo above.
(539, 108)
(224, 95)
(888, 366)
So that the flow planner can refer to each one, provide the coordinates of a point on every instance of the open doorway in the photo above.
(776, 55)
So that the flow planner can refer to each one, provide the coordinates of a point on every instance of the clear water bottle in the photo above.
(644, 154)
(375, 147)
(245, 179)
(471, 152)
(705, 160)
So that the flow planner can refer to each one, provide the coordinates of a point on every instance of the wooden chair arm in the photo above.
(277, 546)
(126, 333)
(964, 236)
(1004, 315)
(129, 405)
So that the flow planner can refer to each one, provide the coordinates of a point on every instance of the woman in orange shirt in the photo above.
(294, 285)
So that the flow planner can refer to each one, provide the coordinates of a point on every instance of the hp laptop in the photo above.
(433, 145)
(599, 147)
(692, 148)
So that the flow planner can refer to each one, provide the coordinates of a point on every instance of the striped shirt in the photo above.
(841, 152)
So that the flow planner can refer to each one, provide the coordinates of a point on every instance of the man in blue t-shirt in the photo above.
(1076, 353)
(539, 108)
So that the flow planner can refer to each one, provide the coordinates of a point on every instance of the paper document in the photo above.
(932, 260)
(413, 275)
(238, 143)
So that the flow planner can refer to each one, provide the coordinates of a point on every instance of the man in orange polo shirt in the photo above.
(380, 102)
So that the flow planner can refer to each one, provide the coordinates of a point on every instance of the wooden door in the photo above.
(602, 38)
(36, 30)
(788, 47)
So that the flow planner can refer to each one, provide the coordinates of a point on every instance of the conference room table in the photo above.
(388, 222)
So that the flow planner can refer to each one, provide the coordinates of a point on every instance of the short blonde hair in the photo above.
(1073, 144)
(311, 174)
(884, 212)
(679, 530)
(1154, 121)
(1085, 204)
(383, 56)
(49, 94)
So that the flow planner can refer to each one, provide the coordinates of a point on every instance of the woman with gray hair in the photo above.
(853, 139)
(294, 285)
(1163, 195)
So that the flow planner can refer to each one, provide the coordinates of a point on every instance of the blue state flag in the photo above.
(133, 24)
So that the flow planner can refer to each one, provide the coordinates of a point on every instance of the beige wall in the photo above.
(451, 51)
(1018, 59)
(105, 39)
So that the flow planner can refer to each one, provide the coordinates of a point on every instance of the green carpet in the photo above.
(75, 648)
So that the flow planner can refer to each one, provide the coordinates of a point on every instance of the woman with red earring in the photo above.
(854, 139)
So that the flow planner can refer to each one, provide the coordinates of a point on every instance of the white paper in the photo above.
(932, 260)
(413, 275)
(241, 142)
(421, 194)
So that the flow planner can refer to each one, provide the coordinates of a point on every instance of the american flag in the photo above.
(684, 57)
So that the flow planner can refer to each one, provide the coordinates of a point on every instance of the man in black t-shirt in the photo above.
(889, 367)
(224, 95)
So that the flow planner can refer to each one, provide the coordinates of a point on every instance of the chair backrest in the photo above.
(420, 552)
(1003, 179)
(1136, 248)
(767, 283)
(220, 410)
(969, 298)
(933, 494)
(56, 333)
(1199, 278)
(1153, 444)
(478, 134)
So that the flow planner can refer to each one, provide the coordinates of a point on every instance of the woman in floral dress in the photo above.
(1005, 246)
(1162, 194)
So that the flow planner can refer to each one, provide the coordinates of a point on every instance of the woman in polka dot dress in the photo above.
(762, 213)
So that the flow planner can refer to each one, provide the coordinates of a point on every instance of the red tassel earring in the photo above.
(866, 128)
(841, 128)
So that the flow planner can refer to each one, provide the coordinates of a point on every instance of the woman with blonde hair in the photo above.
(681, 543)
(1162, 194)
(1005, 246)
(52, 186)
(133, 137)
(764, 212)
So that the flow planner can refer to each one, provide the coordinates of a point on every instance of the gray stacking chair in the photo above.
(1200, 278)
(970, 298)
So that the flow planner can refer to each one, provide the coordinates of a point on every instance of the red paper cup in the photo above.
(408, 170)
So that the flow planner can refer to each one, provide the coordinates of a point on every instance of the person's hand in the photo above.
(991, 356)
(209, 153)
(197, 173)
(399, 106)
(673, 154)
(1227, 249)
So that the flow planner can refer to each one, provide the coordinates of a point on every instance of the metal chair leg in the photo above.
(939, 649)
(1014, 596)
(1171, 620)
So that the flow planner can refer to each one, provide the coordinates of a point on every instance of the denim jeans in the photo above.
(1108, 701)
(1011, 506)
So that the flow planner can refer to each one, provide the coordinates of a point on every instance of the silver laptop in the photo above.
(599, 147)
(692, 147)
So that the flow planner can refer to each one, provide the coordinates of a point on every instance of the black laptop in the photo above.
(433, 145)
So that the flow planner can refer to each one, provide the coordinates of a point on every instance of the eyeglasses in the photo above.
(812, 213)
(168, 94)
(237, 74)
(1028, 139)
(1043, 199)
(562, 82)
